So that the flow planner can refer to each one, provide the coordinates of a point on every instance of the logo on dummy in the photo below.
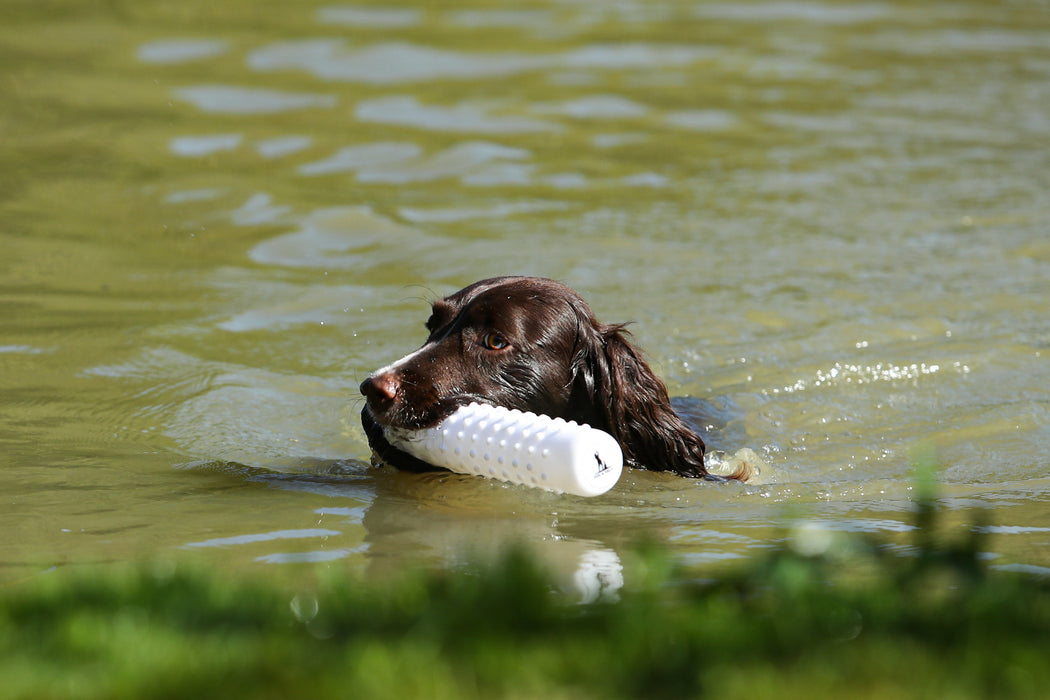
(602, 466)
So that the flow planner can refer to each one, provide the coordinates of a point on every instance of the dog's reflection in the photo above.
(449, 520)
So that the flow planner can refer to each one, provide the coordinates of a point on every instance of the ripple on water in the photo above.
(405, 62)
(204, 145)
(283, 146)
(362, 157)
(263, 537)
(470, 118)
(340, 237)
(259, 209)
(230, 99)
(403, 162)
(790, 10)
(594, 107)
(172, 51)
(371, 17)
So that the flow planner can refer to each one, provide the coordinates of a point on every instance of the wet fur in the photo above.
(559, 360)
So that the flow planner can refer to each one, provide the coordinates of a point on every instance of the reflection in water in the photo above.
(170, 51)
(594, 107)
(228, 99)
(258, 210)
(343, 238)
(449, 520)
(441, 520)
(193, 195)
(374, 17)
(702, 119)
(467, 118)
(404, 62)
(395, 62)
(283, 146)
(370, 155)
(470, 161)
(778, 10)
(199, 146)
(263, 537)
(399, 163)
(492, 211)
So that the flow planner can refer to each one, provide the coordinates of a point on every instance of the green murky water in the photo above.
(829, 218)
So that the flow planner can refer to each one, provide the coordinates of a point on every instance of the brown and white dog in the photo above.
(531, 344)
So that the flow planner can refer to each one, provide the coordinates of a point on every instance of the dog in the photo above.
(531, 344)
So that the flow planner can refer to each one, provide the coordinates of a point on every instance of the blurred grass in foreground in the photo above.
(821, 616)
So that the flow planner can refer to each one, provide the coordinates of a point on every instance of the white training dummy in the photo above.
(520, 447)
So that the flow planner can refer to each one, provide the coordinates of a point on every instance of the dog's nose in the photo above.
(381, 389)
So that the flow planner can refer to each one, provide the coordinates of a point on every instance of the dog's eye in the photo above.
(494, 341)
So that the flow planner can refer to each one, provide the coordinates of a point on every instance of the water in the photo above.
(828, 220)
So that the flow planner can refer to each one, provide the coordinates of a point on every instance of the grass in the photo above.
(817, 618)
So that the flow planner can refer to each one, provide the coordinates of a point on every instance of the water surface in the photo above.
(827, 220)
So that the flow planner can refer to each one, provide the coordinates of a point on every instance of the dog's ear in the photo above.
(630, 402)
